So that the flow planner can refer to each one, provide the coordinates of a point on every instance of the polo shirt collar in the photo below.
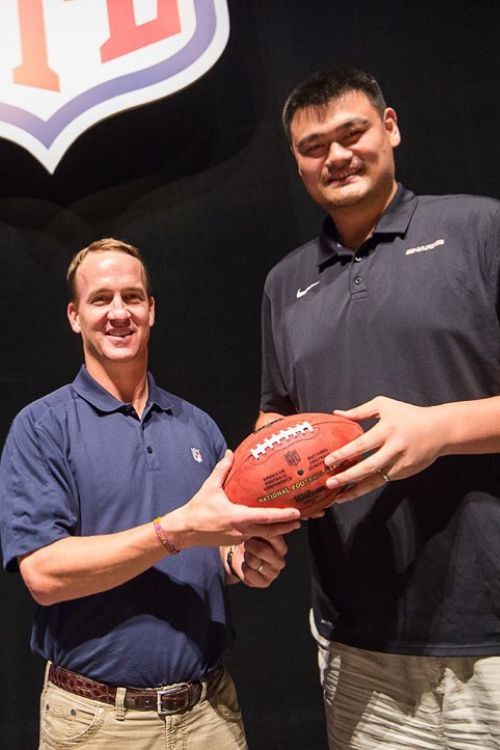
(394, 221)
(90, 390)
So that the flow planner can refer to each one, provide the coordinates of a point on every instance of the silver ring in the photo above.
(383, 475)
(260, 567)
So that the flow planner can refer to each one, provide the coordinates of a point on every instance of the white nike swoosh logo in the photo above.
(301, 292)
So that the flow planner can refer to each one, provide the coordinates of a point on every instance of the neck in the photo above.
(126, 381)
(355, 224)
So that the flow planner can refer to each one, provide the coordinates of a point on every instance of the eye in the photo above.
(353, 135)
(314, 149)
(133, 297)
(100, 299)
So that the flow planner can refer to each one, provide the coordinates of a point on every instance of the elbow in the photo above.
(43, 589)
(44, 600)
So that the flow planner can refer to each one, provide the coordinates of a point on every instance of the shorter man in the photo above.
(112, 508)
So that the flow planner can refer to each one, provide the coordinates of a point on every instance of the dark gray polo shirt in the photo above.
(415, 567)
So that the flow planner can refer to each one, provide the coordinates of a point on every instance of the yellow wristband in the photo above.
(172, 549)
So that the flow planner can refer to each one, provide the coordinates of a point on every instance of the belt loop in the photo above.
(204, 688)
(120, 703)
(46, 675)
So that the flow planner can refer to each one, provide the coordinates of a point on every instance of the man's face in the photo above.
(111, 310)
(344, 152)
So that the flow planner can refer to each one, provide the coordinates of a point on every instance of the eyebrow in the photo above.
(340, 129)
(108, 290)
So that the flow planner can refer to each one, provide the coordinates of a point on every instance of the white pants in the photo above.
(377, 701)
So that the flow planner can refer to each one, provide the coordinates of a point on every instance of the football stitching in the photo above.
(275, 439)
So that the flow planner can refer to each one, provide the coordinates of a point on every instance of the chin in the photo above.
(344, 198)
(121, 355)
(345, 201)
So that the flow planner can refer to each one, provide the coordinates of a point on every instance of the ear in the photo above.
(294, 153)
(152, 311)
(391, 125)
(72, 313)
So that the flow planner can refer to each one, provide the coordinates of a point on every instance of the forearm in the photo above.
(468, 427)
(265, 417)
(79, 566)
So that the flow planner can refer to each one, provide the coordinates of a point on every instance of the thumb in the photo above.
(221, 469)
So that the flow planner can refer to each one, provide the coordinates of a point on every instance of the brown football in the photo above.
(282, 464)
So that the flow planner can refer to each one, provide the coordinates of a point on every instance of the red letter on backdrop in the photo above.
(34, 69)
(126, 35)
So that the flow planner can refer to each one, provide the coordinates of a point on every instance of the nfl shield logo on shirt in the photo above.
(66, 64)
(195, 452)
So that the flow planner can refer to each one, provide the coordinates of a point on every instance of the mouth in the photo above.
(119, 335)
(342, 176)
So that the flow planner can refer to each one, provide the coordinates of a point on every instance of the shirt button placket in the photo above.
(357, 281)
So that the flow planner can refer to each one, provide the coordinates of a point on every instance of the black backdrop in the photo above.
(204, 184)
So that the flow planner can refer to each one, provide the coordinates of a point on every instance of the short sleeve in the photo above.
(492, 257)
(38, 497)
(274, 395)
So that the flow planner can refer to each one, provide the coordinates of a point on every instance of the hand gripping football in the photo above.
(282, 464)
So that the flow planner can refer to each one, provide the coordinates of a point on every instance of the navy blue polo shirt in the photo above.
(80, 462)
(413, 315)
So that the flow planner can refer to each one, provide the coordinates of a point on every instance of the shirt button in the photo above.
(149, 449)
(357, 280)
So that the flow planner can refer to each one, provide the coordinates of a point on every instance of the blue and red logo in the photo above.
(66, 64)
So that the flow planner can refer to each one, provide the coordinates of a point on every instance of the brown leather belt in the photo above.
(167, 700)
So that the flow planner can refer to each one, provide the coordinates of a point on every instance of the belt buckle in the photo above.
(162, 711)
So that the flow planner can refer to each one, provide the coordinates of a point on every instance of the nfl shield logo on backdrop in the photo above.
(66, 64)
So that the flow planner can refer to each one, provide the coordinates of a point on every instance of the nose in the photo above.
(338, 153)
(118, 310)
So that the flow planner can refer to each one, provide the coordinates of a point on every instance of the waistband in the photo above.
(170, 699)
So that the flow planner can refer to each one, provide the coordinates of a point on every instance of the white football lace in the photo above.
(270, 442)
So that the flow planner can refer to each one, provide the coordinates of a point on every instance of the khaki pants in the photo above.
(69, 721)
(376, 701)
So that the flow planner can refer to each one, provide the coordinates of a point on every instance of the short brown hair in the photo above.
(102, 246)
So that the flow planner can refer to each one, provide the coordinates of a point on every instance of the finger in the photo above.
(318, 514)
(368, 441)
(270, 531)
(362, 411)
(261, 577)
(266, 547)
(381, 459)
(268, 561)
(272, 516)
(352, 492)
(264, 566)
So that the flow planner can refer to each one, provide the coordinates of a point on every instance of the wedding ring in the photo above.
(260, 567)
(383, 475)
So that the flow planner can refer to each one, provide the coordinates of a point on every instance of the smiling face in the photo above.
(111, 311)
(344, 152)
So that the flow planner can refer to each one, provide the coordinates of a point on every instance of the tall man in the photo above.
(395, 307)
(112, 508)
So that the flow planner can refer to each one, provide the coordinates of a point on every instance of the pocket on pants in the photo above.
(67, 720)
(225, 700)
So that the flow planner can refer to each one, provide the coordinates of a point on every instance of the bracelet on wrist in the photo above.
(229, 560)
(162, 536)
